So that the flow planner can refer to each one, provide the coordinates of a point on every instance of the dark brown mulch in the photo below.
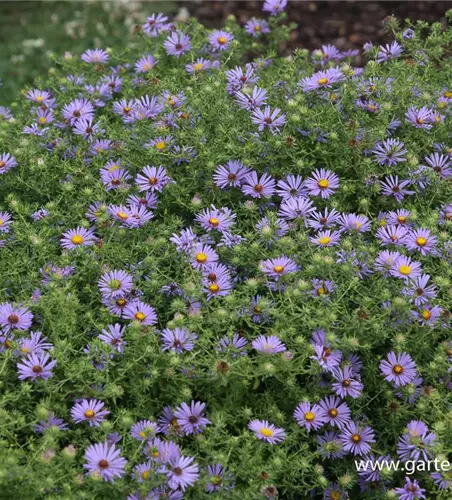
(347, 24)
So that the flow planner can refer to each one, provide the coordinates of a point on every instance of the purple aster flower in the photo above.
(237, 78)
(191, 418)
(89, 411)
(168, 423)
(154, 24)
(441, 164)
(275, 7)
(389, 51)
(36, 344)
(181, 473)
(443, 480)
(123, 107)
(220, 287)
(198, 66)
(5, 222)
(268, 119)
(232, 174)
(39, 96)
(322, 288)
(220, 219)
(428, 315)
(420, 117)
(5, 113)
(85, 128)
(219, 479)
(421, 240)
(268, 344)
(419, 291)
(220, 40)
(311, 418)
(76, 109)
(271, 230)
(253, 100)
(146, 199)
(115, 284)
(202, 256)
(177, 44)
(145, 63)
(40, 214)
(416, 443)
(405, 268)
(144, 430)
(357, 438)
(236, 345)
(346, 383)
(257, 27)
(401, 217)
(325, 54)
(322, 183)
(105, 461)
(50, 422)
(353, 223)
(337, 413)
(98, 56)
(113, 336)
(141, 472)
(326, 238)
(322, 80)
(334, 491)
(392, 235)
(410, 491)
(186, 241)
(275, 268)
(7, 162)
(295, 208)
(330, 445)
(36, 366)
(114, 178)
(15, 317)
(266, 431)
(291, 187)
(326, 357)
(399, 369)
(178, 340)
(144, 108)
(160, 144)
(258, 187)
(322, 220)
(141, 312)
(153, 178)
(390, 152)
(78, 237)
(392, 187)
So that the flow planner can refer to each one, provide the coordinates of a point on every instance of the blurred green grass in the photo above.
(31, 30)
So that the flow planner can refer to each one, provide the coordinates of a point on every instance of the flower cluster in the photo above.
(227, 272)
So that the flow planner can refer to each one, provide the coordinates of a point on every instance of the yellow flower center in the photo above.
(265, 431)
(113, 168)
(309, 416)
(160, 145)
(89, 414)
(25, 350)
(77, 239)
(2, 222)
(421, 241)
(198, 66)
(122, 215)
(140, 316)
(42, 119)
(153, 181)
(201, 257)
(356, 438)
(145, 474)
(147, 67)
(332, 412)
(405, 270)
(426, 314)
(401, 219)
(222, 40)
(142, 434)
(324, 240)
(39, 98)
(397, 369)
(213, 221)
(448, 94)
(257, 27)
(2, 164)
(278, 269)
(322, 291)
(126, 109)
(335, 495)
(214, 288)
(322, 81)
(323, 183)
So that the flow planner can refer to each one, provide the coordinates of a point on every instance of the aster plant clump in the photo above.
(227, 273)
